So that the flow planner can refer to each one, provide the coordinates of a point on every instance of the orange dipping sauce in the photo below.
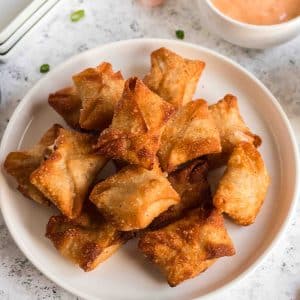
(259, 12)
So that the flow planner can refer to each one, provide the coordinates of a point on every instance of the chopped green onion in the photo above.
(180, 34)
(44, 68)
(77, 15)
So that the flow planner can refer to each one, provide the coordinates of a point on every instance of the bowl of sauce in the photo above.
(252, 23)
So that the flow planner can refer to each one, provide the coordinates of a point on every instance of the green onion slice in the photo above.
(77, 15)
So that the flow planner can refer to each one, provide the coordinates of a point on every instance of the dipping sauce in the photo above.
(152, 3)
(259, 12)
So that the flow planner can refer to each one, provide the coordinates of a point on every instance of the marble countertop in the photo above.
(55, 39)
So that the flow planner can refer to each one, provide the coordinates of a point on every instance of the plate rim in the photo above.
(285, 120)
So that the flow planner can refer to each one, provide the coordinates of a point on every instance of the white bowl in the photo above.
(243, 34)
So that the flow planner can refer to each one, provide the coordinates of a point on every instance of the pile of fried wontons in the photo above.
(163, 145)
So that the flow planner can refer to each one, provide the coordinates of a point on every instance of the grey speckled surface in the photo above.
(55, 38)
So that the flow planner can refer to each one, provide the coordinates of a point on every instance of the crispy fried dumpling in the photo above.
(232, 129)
(22, 163)
(99, 89)
(189, 134)
(136, 127)
(172, 77)
(87, 240)
(189, 246)
(66, 102)
(133, 197)
(243, 187)
(67, 174)
(119, 164)
(190, 182)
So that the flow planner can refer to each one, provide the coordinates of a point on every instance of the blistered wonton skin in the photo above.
(243, 187)
(189, 246)
(232, 128)
(87, 240)
(173, 77)
(189, 134)
(133, 197)
(99, 89)
(190, 182)
(66, 102)
(22, 163)
(138, 121)
(67, 174)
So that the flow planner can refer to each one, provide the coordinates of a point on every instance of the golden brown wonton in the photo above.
(243, 187)
(87, 240)
(189, 246)
(172, 77)
(99, 89)
(136, 127)
(232, 129)
(119, 164)
(133, 197)
(65, 177)
(22, 163)
(189, 134)
(191, 184)
(67, 103)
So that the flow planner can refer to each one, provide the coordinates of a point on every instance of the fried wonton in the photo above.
(67, 174)
(232, 129)
(133, 197)
(99, 89)
(189, 134)
(22, 163)
(189, 246)
(87, 240)
(119, 164)
(173, 77)
(66, 102)
(136, 127)
(243, 187)
(191, 184)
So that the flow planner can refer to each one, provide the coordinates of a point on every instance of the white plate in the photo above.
(127, 275)
(14, 13)
(24, 28)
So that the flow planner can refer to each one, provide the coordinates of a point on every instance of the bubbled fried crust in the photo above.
(189, 134)
(66, 175)
(190, 182)
(173, 77)
(133, 197)
(232, 129)
(22, 163)
(187, 247)
(99, 89)
(243, 187)
(139, 118)
(86, 240)
(66, 102)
